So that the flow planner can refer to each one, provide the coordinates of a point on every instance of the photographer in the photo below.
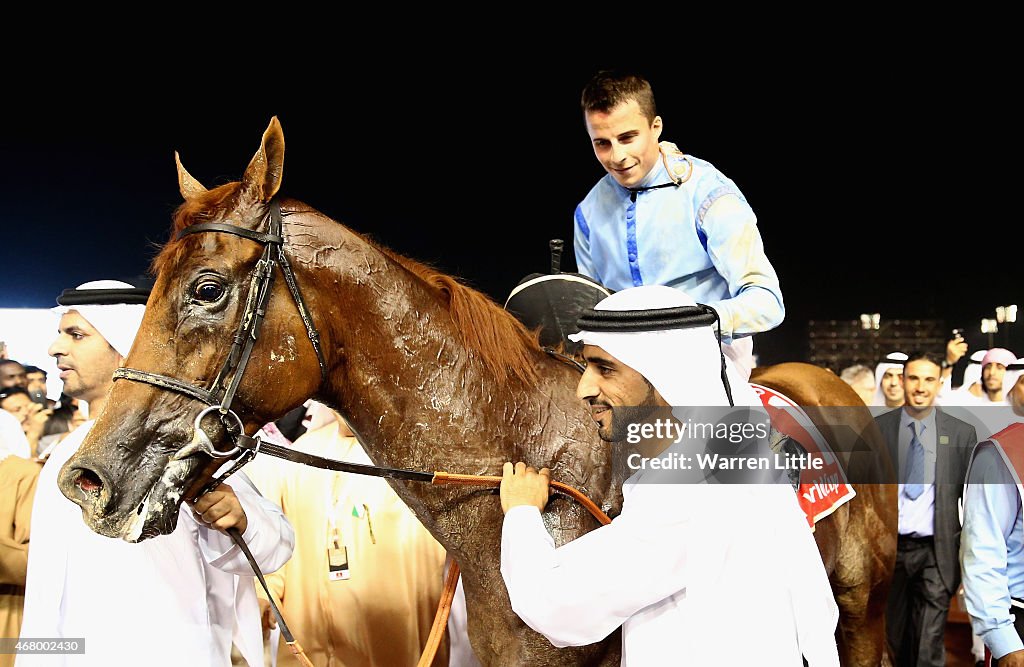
(956, 348)
(31, 415)
(36, 385)
(67, 415)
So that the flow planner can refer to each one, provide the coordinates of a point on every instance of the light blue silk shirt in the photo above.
(992, 550)
(700, 237)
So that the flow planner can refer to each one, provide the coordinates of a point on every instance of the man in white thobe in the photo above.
(178, 599)
(695, 573)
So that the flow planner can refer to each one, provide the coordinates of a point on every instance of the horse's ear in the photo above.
(190, 188)
(263, 175)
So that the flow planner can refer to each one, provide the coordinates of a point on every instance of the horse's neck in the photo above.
(406, 383)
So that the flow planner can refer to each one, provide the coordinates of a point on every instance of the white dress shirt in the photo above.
(917, 517)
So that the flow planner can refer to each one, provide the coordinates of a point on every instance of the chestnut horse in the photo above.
(431, 375)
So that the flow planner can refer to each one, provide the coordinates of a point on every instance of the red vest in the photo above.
(1010, 444)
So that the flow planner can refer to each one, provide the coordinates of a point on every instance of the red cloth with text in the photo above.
(823, 491)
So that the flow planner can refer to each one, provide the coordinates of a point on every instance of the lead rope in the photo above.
(444, 607)
(295, 647)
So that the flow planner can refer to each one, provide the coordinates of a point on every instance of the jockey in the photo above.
(661, 217)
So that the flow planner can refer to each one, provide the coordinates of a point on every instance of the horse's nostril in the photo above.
(86, 486)
(89, 482)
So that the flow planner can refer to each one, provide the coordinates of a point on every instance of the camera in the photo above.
(39, 396)
(958, 333)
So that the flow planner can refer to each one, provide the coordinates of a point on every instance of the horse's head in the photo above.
(149, 449)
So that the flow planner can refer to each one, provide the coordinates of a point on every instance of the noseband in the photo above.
(222, 393)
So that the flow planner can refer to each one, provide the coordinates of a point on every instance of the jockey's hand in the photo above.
(1013, 659)
(220, 509)
(267, 617)
(523, 485)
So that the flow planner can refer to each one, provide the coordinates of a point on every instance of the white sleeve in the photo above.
(815, 611)
(269, 535)
(12, 437)
(946, 386)
(579, 593)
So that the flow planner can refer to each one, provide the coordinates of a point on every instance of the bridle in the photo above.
(221, 395)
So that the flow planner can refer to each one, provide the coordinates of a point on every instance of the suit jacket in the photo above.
(951, 460)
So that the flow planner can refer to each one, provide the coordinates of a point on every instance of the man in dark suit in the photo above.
(930, 450)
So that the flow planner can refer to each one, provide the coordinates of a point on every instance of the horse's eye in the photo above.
(208, 291)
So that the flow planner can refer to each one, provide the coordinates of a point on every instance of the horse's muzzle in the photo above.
(86, 485)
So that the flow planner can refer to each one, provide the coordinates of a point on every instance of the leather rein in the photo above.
(220, 396)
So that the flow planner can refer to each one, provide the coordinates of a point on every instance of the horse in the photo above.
(431, 374)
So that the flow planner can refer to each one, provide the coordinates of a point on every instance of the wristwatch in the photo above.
(945, 364)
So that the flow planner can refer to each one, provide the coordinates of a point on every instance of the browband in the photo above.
(230, 229)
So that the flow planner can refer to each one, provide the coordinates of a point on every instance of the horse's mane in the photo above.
(504, 344)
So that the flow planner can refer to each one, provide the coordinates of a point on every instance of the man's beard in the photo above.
(73, 387)
(625, 415)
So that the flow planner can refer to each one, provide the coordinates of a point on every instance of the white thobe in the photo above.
(178, 599)
(695, 574)
(12, 437)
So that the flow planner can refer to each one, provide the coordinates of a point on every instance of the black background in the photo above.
(875, 181)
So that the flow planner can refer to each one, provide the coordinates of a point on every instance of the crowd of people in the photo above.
(942, 538)
(198, 585)
(359, 578)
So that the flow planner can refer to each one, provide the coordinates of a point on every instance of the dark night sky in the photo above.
(853, 170)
